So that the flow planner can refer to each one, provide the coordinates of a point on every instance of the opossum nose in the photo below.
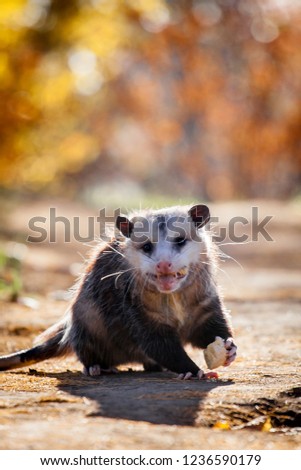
(164, 267)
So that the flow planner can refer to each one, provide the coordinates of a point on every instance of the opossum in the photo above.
(143, 297)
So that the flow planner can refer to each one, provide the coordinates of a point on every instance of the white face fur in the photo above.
(164, 246)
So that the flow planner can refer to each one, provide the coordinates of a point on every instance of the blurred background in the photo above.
(193, 98)
(109, 103)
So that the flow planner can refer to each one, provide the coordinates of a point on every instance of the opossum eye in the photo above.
(180, 241)
(147, 247)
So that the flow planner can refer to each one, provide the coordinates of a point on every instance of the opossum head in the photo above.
(164, 246)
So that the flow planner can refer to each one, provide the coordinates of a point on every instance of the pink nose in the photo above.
(164, 267)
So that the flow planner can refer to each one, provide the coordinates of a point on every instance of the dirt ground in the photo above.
(255, 403)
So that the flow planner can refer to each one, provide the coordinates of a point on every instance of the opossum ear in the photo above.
(124, 225)
(200, 215)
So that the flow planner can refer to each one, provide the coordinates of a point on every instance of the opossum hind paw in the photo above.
(92, 371)
(96, 370)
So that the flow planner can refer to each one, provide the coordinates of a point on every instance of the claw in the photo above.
(185, 376)
(95, 371)
(188, 376)
(200, 375)
(229, 343)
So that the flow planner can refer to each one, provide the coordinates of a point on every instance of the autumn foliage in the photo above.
(200, 98)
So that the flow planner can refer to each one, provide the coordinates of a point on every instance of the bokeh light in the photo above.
(198, 98)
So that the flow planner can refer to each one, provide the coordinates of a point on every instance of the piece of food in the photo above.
(215, 354)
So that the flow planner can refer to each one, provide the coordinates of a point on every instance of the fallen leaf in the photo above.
(222, 425)
(267, 425)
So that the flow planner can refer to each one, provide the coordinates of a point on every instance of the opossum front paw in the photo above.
(185, 376)
(200, 375)
(231, 349)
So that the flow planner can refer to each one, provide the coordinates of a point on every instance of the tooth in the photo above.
(182, 272)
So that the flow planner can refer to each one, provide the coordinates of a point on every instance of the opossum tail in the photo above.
(52, 343)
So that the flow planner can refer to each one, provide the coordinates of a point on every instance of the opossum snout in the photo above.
(164, 267)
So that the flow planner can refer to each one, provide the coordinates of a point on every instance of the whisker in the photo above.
(131, 281)
(233, 243)
(117, 273)
(226, 256)
(82, 257)
(116, 251)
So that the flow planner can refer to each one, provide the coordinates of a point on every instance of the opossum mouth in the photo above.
(170, 281)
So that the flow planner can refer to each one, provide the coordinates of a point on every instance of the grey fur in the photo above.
(119, 316)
